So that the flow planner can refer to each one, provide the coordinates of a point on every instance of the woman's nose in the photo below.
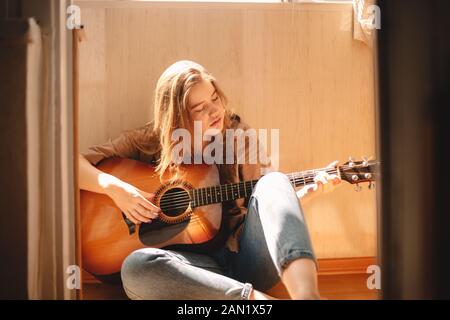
(213, 109)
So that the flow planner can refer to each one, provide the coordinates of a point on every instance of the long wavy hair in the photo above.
(171, 109)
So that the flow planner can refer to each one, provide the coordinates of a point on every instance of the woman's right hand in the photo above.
(134, 203)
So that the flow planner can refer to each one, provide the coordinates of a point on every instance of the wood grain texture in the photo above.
(292, 67)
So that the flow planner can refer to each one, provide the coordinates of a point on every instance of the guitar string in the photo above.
(180, 204)
(211, 192)
(184, 196)
(206, 195)
(303, 174)
(295, 176)
(183, 203)
(186, 204)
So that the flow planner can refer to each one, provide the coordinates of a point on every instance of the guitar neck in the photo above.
(232, 191)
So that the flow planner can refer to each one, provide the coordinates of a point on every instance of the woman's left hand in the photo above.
(323, 181)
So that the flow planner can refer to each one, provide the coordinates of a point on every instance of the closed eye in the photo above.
(199, 108)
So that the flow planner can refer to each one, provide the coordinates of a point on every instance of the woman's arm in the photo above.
(134, 203)
(92, 179)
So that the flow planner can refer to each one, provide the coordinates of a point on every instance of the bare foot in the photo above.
(258, 295)
(308, 296)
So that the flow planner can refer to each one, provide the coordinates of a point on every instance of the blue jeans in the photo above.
(274, 234)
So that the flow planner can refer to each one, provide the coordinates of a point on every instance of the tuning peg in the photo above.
(371, 185)
(367, 175)
(357, 188)
(365, 161)
(350, 162)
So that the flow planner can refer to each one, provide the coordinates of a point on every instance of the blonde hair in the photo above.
(171, 110)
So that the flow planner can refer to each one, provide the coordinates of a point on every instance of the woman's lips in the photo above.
(215, 122)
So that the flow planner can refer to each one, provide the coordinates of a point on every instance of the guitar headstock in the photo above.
(356, 172)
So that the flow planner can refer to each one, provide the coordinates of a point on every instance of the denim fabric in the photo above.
(274, 234)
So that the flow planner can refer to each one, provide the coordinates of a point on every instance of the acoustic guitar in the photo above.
(191, 208)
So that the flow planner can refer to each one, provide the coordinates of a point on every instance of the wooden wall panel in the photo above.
(293, 67)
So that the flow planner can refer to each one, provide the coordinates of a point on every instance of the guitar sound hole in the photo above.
(174, 202)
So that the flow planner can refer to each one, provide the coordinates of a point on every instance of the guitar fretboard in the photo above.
(243, 189)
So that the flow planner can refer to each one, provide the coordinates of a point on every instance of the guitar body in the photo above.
(107, 237)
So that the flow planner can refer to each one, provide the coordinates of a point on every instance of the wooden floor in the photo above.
(339, 279)
(101, 291)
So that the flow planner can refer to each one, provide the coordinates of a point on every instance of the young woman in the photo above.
(265, 237)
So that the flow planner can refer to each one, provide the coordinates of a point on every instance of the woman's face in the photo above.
(205, 105)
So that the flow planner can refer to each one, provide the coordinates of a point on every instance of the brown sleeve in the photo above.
(120, 146)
